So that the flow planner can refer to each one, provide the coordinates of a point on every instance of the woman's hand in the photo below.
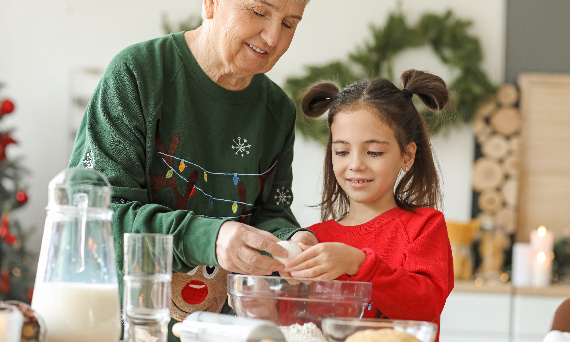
(238, 246)
(325, 261)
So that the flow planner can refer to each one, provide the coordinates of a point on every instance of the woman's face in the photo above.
(251, 35)
(366, 158)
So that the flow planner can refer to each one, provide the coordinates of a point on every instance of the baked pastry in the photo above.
(381, 335)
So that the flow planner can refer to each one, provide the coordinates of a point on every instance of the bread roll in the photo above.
(381, 335)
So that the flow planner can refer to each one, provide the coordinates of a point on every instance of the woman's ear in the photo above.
(410, 155)
(208, 9)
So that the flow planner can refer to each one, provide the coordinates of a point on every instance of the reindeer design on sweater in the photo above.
(204, 287)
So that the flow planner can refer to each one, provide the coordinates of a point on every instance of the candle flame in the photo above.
(541, 257)
(542, 231)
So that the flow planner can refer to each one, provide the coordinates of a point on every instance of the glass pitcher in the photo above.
(76, 289)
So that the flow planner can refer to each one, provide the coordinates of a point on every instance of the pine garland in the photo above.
(446, 35)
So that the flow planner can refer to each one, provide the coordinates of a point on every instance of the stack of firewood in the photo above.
(497, 127)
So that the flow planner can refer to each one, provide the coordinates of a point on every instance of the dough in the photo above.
(292, 248)
(381, 335)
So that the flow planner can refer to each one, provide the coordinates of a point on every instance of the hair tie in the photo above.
(407, 93)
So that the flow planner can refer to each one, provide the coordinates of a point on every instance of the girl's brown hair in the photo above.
(419, 187)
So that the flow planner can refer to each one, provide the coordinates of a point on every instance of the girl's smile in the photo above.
(358, 182)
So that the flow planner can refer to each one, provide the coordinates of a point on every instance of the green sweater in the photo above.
(184, 154)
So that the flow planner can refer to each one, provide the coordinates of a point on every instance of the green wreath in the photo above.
(449, 40)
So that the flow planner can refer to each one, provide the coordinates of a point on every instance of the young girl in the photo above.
(380, 189)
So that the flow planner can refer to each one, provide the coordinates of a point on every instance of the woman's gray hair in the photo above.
(203, 13)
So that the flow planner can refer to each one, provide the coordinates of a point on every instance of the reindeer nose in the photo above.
(194, 292)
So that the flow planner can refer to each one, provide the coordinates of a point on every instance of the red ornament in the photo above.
(5, 140)
(5, 281)
(22, 197)
(4, 225)
(7, 107)
(10, 239)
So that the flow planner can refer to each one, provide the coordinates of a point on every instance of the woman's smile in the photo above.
(256, 49)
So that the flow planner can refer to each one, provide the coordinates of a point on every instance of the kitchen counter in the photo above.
(554, 290)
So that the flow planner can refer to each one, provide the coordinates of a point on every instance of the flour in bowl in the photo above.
(308, 332)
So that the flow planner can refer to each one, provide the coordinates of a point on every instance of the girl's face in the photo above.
(253, 34)
(366, 159)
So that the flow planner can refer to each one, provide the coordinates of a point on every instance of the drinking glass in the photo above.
(146, 286)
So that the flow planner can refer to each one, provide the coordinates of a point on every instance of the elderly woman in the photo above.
(197, 142)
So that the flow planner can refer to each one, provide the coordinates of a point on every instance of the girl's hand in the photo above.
(325, 261)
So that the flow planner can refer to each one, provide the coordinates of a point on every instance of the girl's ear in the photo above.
(409, 155)
(208, 9)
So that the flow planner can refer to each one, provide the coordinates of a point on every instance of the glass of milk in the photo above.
(146, 286)
(76, 289)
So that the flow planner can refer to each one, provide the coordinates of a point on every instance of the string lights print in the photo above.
(183, 164)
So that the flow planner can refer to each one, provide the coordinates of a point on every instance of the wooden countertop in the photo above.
(555, 290)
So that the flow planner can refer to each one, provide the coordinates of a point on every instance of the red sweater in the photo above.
(408, 261)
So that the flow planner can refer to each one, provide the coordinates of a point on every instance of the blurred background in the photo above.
(507, 166)
(52, 54)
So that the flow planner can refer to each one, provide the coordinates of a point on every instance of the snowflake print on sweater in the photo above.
(283, 196)
(240, 146)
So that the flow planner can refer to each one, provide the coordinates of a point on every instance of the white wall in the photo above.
(42, 42)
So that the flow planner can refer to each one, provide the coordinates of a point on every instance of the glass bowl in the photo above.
(340, 329)
(297, 305)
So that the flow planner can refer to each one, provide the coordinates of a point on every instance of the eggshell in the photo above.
(292, 248)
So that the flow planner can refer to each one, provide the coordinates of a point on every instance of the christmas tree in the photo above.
(17, 272)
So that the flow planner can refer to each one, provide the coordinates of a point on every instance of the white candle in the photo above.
(542, 244)
(542, 239)
(541, 269)
(522, 261)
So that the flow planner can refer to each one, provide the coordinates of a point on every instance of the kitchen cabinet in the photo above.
(476, 314)
(532, 315)
(499, 313)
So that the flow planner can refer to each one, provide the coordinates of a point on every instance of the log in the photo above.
(511, 165)
(507, 95)
(491, 200)
(506, 219)
(485, 110)
(495, 146)
(486, 217)
(506, 121)
(510, 191)
(480, 129)
(487, 174)
(515, 144)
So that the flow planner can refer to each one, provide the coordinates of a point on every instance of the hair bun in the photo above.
(318, 98)
(431, 89)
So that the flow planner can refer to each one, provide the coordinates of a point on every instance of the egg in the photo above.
(292, 248)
